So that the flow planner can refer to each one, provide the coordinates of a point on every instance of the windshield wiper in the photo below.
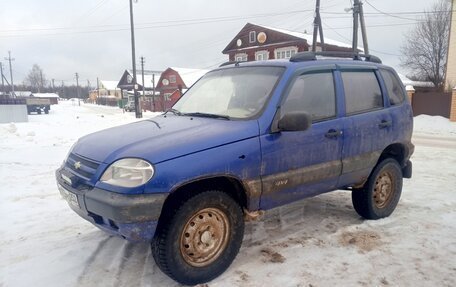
(174, 111)
(206, 115)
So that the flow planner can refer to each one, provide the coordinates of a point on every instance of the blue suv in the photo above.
(247, 137)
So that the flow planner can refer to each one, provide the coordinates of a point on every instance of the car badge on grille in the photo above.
(77, 165)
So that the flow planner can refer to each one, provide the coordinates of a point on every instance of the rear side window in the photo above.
(313, 94)
(394, 88)
(362, 91)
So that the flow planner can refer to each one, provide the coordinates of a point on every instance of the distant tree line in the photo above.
(36, 82)
(65, 92)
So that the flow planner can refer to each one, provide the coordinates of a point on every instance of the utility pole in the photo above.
(142, 75)
(133, 60)
(317, 28)
(153, 91)
(359, 13)
(1, 72)
(53, 86)
(11, 73)
(88, 88)
(363, 28)
(41, 81)
(98, 91)
(63, 90)
(77, 88)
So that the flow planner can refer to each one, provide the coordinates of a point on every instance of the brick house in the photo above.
(258, 42)
(450, 81)
(173, 83)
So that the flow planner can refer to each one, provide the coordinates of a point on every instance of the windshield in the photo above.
(239, 92)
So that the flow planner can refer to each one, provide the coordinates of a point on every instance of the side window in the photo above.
(314, 94)
(362, 91)
(394, 87)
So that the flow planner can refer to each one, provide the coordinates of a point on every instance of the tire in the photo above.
(381, 193)
(38, 111)
(200, 238)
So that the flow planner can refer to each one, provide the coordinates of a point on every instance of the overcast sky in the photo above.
(92, 37)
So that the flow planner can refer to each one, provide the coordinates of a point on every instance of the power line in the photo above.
(381, 25)
(395, 13)
(171, 23)
(90, 11)
(345, 38)
(112, 15)
(387, 14)
(161, 24)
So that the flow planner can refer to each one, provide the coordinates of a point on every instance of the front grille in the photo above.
(81, 166)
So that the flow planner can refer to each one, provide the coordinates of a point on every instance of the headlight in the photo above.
(128, 172)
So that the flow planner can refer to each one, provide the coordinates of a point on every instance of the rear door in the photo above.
(367, 123)
(298, 164)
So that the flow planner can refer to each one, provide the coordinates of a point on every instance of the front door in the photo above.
(300, 164)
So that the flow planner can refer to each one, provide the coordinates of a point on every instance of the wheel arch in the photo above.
(228, 184)
(398, 151)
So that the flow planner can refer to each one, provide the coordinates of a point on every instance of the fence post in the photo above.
(410, 92)
(453, 106)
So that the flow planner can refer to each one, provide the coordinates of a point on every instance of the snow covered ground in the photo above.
(320, 241)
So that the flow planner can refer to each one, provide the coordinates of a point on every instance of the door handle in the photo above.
(332, 133)
(384, 124)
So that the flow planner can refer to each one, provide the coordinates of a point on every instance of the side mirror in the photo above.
(295, 121)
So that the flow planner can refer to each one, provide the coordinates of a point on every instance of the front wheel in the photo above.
(380, 195)
(200, 238)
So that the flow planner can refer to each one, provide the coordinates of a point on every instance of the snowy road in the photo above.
(434, 141)
(320, 241)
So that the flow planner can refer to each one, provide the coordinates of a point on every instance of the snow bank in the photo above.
(434, 125)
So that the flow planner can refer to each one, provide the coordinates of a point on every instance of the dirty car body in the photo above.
(245, 147)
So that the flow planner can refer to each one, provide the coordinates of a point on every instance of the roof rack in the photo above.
(312, 56)
(236, 63)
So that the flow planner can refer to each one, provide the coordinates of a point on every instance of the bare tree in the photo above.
(425, 52)
(36, 78)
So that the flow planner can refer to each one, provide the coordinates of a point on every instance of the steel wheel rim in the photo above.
(204, 237)
(383, 189)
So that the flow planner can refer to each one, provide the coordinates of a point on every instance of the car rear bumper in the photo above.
(133, 217)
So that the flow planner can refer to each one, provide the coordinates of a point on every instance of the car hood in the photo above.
(163, 138)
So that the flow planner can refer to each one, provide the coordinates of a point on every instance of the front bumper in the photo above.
(133, 217)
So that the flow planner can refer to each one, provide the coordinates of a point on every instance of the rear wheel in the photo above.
(380, 195)
(200, 238)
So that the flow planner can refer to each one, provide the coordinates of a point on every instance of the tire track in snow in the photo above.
(118, 263)
(127, 252)
(137, 268)
(84, 278)
(128, 270)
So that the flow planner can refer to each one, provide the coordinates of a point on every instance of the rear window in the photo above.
(394, 87)
(362, 91)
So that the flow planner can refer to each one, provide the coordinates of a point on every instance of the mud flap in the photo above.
(407, 170)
